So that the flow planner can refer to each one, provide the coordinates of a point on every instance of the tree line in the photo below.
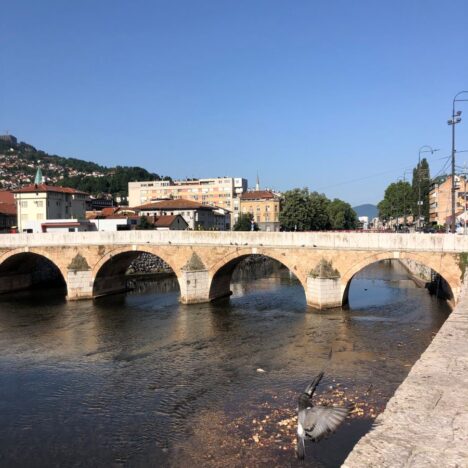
(116, 182)
(302, 210)
(401, 198)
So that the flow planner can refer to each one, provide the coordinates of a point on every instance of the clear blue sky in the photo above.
(309, 93)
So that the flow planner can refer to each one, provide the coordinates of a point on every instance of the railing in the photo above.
(314, 240)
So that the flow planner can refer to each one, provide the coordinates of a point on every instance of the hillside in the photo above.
(367, 210)
(19, 162)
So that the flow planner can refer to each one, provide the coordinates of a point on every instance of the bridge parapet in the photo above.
(320, 240)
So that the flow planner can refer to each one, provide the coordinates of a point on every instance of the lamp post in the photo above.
(423, 149)
(404, 198)
(453, 121)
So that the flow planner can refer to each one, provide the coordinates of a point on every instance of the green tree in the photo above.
(304, 211)
(341, 215)
(421, 181)
(244, 223)
(397, 202)
(145, 224)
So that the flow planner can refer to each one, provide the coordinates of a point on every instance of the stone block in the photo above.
(324, 293)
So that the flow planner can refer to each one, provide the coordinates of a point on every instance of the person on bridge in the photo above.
(315, 422)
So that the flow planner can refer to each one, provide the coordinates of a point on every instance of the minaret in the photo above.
(38, 179)
(257, 185)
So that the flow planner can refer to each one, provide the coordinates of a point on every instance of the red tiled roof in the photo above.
(120, 216)
(180, 204)
(166, 221)
(109, 211)
(47, 188)
(258, 195)
(64, 224)
(7, 197)
(8, 209)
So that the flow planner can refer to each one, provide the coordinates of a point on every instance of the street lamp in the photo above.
(423, 149)
(453, 121)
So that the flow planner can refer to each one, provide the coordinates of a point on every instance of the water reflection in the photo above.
(140, 379)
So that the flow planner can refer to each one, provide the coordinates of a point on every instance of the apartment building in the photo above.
(264, 205)
(38, 203)
(440, 200)
(223, 192)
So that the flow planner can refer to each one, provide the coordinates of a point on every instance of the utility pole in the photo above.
(453, 121)
(423, 149)
(464, 208)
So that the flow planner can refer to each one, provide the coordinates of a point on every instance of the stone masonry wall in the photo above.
(417, 269)
(147, 263)
(425, 423)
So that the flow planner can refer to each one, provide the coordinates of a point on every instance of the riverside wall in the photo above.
(425, 423)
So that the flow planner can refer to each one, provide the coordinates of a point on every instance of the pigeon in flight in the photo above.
(315, 422)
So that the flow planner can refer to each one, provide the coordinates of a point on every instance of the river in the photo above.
(138, 379)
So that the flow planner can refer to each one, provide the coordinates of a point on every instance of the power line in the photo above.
(398, 170)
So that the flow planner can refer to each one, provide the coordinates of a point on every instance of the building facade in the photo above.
(8, 218)
(38, 203)
(223, 192)
(196, 215)
(440, 200)
(264, 206)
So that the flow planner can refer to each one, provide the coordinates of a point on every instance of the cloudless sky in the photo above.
(337, 96)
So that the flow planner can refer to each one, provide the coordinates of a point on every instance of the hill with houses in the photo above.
(19, 162)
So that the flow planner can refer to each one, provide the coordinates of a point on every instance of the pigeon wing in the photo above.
(313, 385)
(319, 421)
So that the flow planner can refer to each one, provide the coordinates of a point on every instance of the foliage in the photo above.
(421, 180)
(145, 224)
(341, 215)
(244, 223)
(303, 211)
(398, 201)
(116, 182)
(463, 263)
(312, 211)
(194, 263)
(324, 269)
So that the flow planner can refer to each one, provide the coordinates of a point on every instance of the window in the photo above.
(39, 216)
(24, 204)
(39, 203)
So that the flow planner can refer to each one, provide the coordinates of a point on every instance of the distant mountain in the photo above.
(371, 211)
(19, 162)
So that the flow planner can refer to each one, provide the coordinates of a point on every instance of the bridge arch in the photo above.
(23, 269)
(108, 273)
(220, 274)
(444, 265)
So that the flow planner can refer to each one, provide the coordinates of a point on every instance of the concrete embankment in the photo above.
(425, 424)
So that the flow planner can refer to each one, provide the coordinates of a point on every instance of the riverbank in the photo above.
(425, 423)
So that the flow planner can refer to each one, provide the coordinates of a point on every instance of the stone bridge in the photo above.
(93, 264)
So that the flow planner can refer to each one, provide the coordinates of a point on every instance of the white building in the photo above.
(115, 223)
(223, 192)
(196, 215)
(58, 225)
(38, 203)
(364, 220)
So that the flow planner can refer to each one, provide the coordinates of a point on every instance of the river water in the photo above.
(138, 379)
